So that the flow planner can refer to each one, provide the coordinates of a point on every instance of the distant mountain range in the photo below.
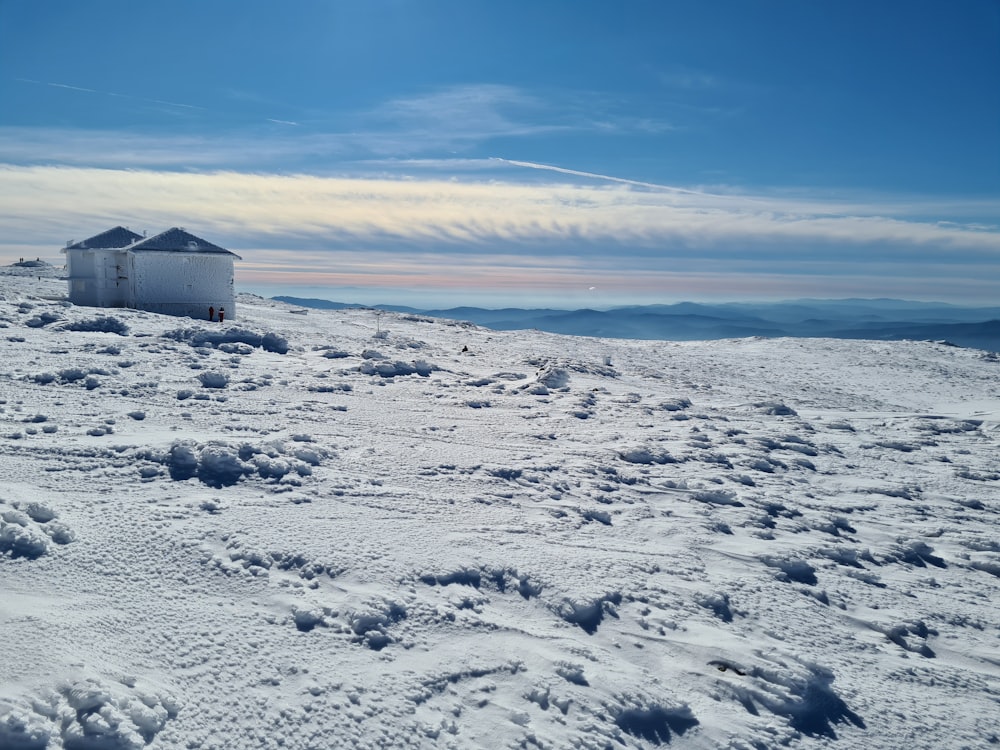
(879, 319)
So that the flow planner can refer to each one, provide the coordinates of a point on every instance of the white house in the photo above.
(174, 272)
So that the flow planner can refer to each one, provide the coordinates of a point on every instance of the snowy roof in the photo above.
(117, 237)
(178, 240)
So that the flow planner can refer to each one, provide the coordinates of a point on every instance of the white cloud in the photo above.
(334, 212)
(681, 77)
(491, 237)
(113, 149)
(451, 119)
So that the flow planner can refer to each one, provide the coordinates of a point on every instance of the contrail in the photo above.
(62, 86)
(135, 98)
(594, 175)
(108, 93)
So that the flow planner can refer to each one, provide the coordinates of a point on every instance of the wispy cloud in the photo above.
(115, 149)
(290, 149)
(506, 236)
(454, 119)
(483, 111)
(337, 211)
(459, 117)
(681, 77)
(480, 111)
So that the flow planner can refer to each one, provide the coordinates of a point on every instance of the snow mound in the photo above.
(675, 404)
(371, 622)
(775, 409)
(43, 319)
(589, 613)
(643, 454)
(335, 354)
(100, 324)
(651, 721)
(197, 337)
(553, 377)
(69, 375)
(213, 379)
(30, 529)
(87, 715)
(220, 464)
(804, 696)
(386, 369)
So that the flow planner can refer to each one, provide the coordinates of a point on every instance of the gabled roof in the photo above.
(178, 240)
(117, 237)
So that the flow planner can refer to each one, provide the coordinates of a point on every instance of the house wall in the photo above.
(98, 278)
(81, 277)
(183, 283)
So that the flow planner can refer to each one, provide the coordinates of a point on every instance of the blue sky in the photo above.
(531, 153)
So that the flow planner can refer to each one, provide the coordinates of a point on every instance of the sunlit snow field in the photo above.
(323, 529)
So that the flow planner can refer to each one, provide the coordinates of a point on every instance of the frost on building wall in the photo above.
(179, 274)
(174, 272)
(97, 268)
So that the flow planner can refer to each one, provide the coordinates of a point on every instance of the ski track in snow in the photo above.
(296, 530)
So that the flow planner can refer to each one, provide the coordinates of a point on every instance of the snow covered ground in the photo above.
(312, 529)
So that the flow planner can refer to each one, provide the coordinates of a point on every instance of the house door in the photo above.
(116, 281)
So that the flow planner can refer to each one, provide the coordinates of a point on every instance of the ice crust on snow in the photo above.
(348, 530)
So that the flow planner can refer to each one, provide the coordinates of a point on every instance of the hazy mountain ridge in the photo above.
(880, 319)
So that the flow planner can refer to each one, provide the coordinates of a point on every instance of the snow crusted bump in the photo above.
(370, 623)
(213, 379)
(645, 455)
(269, 342)
(100, 324)
(807, 701)
(651, 721)
(42, 319)
(792, 570)
(21, 729)
(28, 531)
(589, 614)
(775, 409)
(86, 715)
(675, 404)
(385, 369)
(220, 464)
(553, 377)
